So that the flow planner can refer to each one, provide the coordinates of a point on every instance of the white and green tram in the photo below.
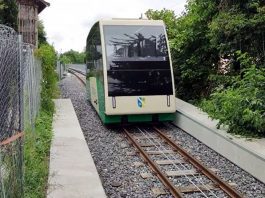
(130, 76)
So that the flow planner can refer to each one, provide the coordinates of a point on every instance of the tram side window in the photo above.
(94, 50)
(89, 54)
(98, 64)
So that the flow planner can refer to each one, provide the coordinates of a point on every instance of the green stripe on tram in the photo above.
(140, 118)
(101, 99)
(167, 117)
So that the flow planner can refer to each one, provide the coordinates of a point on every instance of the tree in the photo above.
(241, 106)
(194, 59)
(218, 53)
(73, 57)
(9, 13)
(239, 25)
(41, 33)
(169, 18)
(46, 53)
(209, 33)
(65, 59)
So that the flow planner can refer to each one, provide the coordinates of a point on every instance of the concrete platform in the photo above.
(247, 154)
(72, 170)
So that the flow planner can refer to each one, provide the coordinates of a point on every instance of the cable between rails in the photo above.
(176, 166)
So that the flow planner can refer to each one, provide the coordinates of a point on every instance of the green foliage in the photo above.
(41, 34)
(65, 59)
(37, 143)
(238, 33)
(169, 18)
(192, 55)
(37, 148)
(47, 55)
(240, 25)
(72, 57)
(206, 32)
(211, 44)
(195, 58)
(9, 13)
(241, 106)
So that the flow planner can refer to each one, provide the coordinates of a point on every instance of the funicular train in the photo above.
(130, 77)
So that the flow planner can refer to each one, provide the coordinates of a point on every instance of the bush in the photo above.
(242, 105)
(47, 55)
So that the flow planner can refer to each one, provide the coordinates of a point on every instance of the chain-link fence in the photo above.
(20, 75)
(31, 73)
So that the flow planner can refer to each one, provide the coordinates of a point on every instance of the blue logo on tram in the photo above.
(141, 102)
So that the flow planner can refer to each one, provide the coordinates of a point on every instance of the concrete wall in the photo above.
(249, 155)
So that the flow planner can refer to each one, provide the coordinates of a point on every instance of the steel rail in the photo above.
(201, 168)
(185, 168)
(78, 71)
(169, 185)
(74, 73)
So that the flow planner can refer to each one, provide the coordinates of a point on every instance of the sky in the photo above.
(67, 22)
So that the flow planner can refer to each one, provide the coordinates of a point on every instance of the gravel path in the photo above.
(117, 169)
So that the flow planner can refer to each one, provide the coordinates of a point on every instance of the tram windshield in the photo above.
(137, 60)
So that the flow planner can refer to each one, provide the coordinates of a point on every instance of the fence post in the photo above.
(21, 114)
(60, 65)
(20, 85)
(59, 70)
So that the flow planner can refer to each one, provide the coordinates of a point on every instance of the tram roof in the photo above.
(130, 22)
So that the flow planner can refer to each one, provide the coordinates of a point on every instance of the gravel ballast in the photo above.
(119, 173)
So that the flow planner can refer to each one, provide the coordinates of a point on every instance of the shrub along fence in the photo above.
(20, 85)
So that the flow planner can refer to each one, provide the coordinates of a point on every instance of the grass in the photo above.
(36, 153)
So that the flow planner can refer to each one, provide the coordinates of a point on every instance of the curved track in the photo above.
(79, 74)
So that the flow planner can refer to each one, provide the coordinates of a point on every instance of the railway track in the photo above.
(79, 74)
(181, 173)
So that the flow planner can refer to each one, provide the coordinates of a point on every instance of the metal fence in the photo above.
(61, 69)
(20, 76)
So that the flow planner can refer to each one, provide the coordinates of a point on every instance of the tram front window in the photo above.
(137, 60)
